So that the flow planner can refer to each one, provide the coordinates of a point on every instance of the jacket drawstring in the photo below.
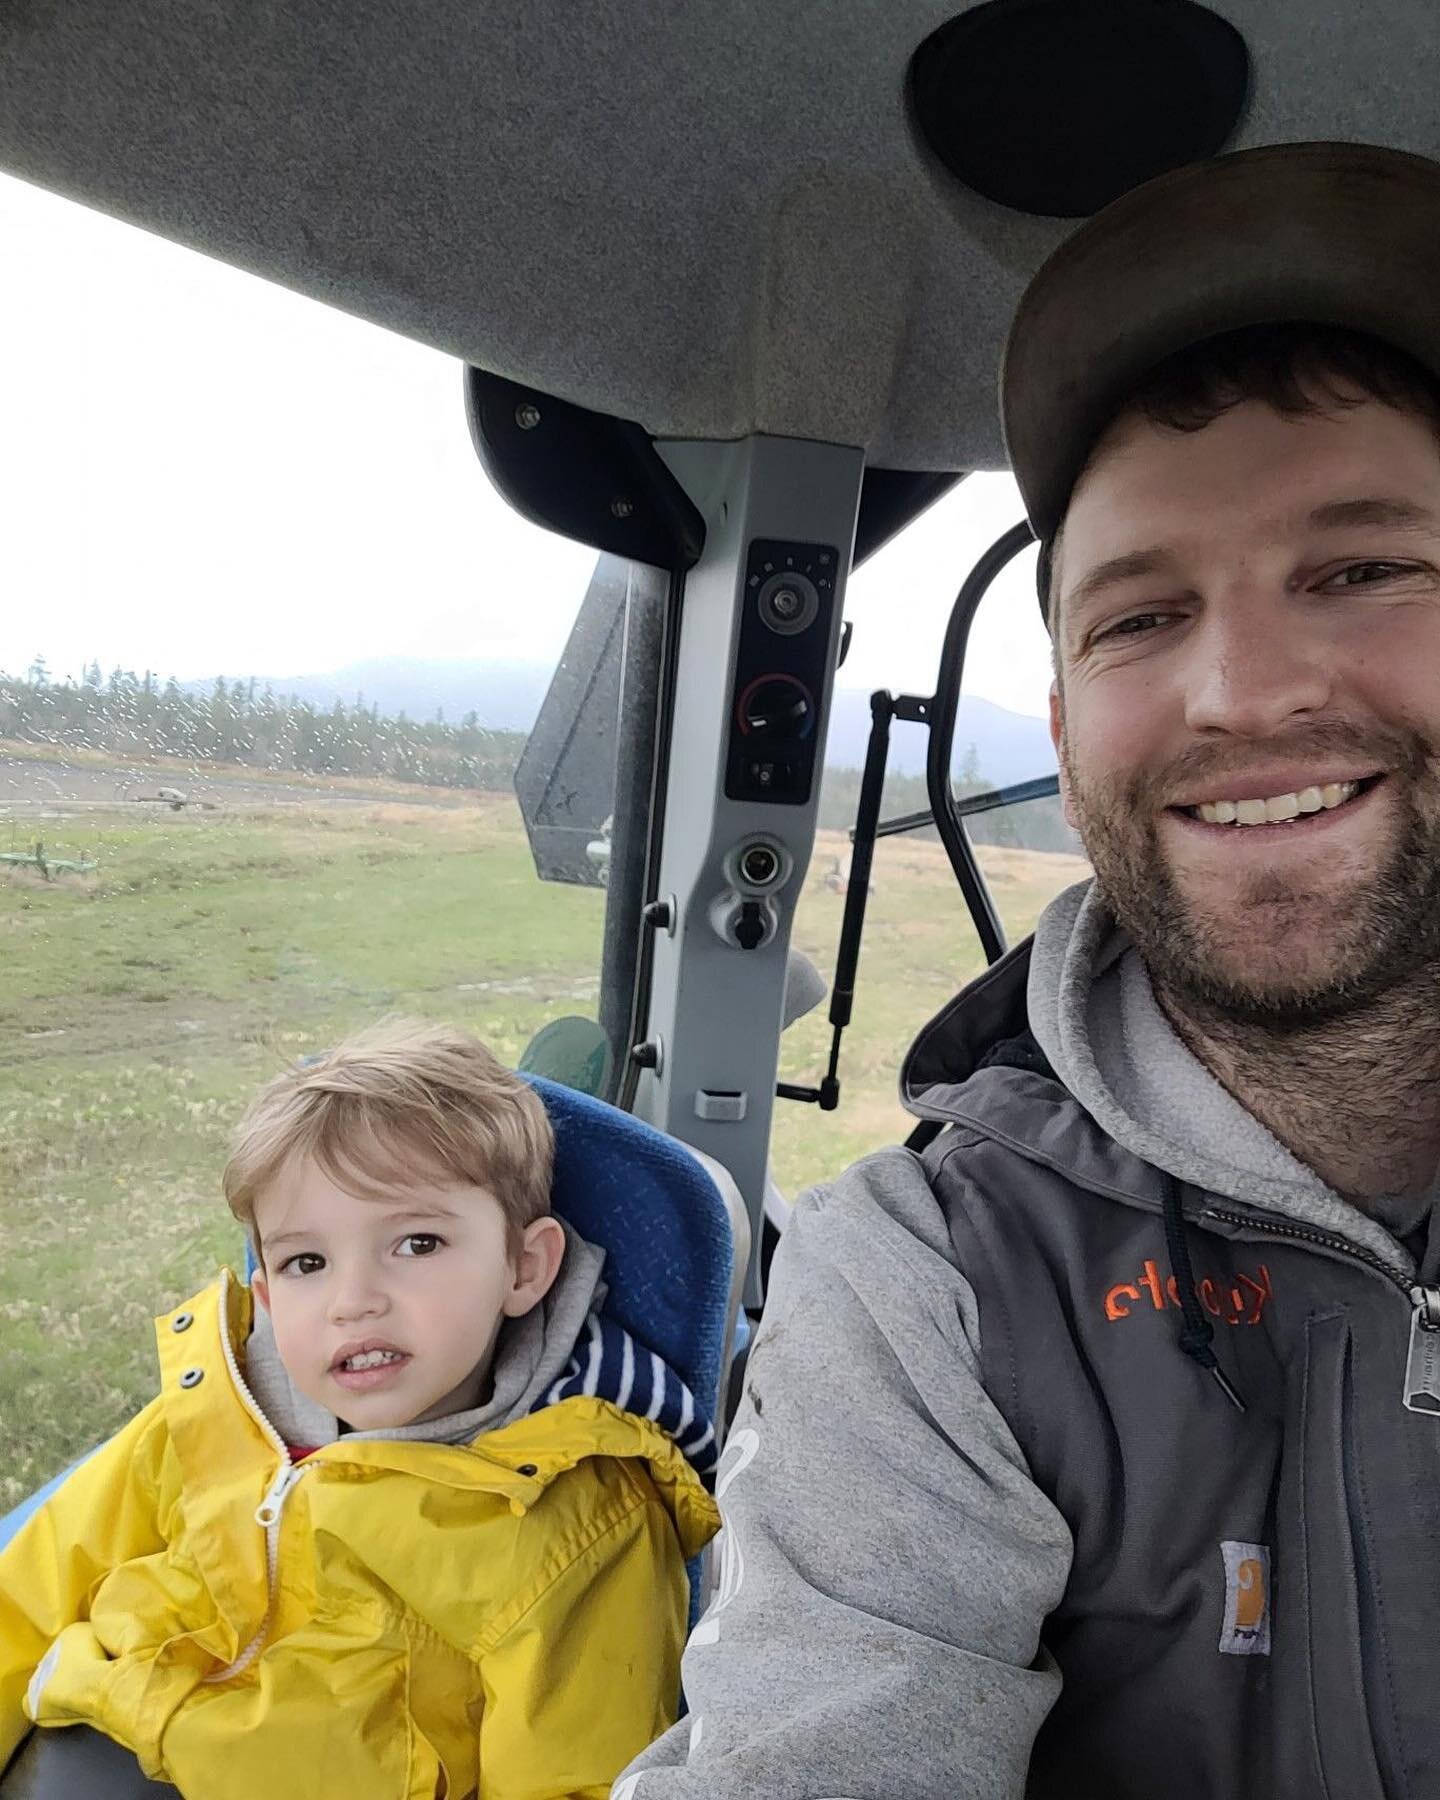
(1197, 1330)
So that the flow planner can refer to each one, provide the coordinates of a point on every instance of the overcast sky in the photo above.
(203, 472)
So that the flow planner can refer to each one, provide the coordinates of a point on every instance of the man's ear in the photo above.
(542, 1247)
(1057, 738)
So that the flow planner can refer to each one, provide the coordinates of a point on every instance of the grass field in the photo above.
(142, 1004)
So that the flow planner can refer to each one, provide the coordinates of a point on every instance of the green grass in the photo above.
(142, 1005)
(918, 948)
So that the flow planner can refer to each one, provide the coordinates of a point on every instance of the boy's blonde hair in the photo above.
(401, 1102)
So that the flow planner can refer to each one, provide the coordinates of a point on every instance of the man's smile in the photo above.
(1297, 814)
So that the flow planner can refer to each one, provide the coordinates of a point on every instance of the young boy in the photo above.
(383, 1533)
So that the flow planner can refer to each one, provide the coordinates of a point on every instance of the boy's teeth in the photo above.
(370, 1359)
(1281, 807)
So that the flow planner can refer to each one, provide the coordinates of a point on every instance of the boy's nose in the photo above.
(358, 1299)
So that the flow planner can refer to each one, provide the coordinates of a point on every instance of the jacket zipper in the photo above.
(1421, 1389)
(267, 1514)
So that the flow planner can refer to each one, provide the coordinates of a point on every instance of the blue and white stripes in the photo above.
(610, 1365)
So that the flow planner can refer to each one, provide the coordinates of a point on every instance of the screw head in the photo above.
(621, 507)
(527, 415)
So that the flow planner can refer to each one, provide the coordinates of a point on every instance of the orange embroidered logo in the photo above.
(1241, 1303)
(1245, 1630)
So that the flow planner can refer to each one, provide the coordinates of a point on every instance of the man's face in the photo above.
(386, 1308)
(1251, 613)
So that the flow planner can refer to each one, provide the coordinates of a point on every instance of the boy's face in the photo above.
(386, 1309)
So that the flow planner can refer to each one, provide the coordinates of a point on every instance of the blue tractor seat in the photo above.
(668, 1234)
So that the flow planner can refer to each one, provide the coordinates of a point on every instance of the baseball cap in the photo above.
(1314, 233)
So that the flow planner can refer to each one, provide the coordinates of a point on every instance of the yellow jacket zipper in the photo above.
(267, 1514)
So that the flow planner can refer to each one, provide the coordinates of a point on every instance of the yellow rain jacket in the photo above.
(501, 1619)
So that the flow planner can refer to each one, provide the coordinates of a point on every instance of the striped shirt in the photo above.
(609, 1365)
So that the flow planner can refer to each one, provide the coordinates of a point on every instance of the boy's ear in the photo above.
(260, 1288)
(542, 1248)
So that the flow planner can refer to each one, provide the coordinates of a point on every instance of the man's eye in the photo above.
(1366, 574)
(419, 1243)
(305, 1262)
(1134, 626)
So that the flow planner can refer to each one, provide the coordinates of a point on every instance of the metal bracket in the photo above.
(584, 474)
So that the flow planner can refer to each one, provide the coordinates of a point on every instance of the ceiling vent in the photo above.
(1056, 107)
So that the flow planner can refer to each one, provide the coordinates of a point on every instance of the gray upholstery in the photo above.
(76, 1763)
(709, 217)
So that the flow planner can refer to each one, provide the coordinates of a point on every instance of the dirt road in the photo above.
(50, 788)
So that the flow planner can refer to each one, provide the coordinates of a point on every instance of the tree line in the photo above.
(246, 723)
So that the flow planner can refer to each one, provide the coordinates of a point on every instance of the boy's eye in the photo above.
(305, 1262)
(419, 1243)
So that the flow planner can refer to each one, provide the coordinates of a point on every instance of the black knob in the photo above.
(777, 706)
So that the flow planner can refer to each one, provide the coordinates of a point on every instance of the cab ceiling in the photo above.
(711, 216)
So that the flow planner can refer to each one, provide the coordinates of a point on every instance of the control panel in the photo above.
(780, 671)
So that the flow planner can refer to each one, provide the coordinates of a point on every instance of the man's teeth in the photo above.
(1282, 807)
(371, 1359)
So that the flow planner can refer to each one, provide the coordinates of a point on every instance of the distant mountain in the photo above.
(506, 696)
(1009, 746)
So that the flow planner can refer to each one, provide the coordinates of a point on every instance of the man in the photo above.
(1097, 1452)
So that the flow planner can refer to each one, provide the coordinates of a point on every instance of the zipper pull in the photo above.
(1422, 1366)
(267, 1513)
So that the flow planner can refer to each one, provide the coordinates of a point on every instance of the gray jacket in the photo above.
(989, 1531)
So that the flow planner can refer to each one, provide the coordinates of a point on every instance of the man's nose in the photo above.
(1255, 665)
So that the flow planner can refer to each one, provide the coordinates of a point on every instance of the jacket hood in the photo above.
(1073, 1012)
(970, 1032)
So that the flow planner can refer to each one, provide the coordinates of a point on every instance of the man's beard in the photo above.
(1384, 933)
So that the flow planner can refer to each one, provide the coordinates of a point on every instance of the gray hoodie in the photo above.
(894, 1573)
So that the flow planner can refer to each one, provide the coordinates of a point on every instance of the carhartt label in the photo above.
(1422, 1368)
(1246, 1631)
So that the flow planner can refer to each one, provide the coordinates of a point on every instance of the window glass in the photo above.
(269, 650)
(919, 945)
(1026, 851)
